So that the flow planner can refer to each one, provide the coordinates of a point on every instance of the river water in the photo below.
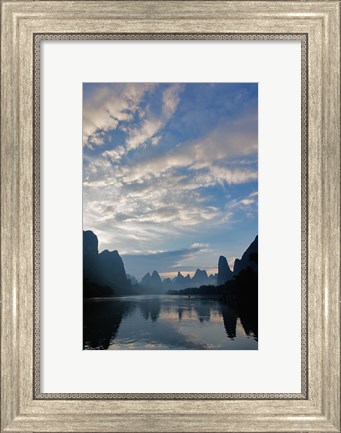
(157, 322)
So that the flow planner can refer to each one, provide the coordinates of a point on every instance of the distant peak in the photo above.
(112, 253)
(224, 271)
(200, 272)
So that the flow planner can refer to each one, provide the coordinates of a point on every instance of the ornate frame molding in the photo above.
(24, 24)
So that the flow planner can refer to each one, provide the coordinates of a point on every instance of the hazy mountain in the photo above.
(145, 280)
(112, 270)
(156, 280)
(224, 271)
(132, 279)
(104, 273)
(90, 257)
(248, 259)
(167, 284)
(179, 279)
(213, 279)
(200, 278)
(152, 283)
(179, 282)
(93, 284)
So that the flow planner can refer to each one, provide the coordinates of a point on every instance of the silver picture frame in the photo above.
(24, 25)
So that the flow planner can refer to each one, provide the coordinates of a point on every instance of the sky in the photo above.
(170, 172)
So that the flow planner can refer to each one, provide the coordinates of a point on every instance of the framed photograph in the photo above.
(170, 179)
(170, 216)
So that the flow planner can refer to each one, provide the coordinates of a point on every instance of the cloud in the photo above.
(110, 107)
(171, 98)
(160, 200)
(152, 123)
(139, 135)
(246, 202)
(106, 106)
(135, 214)
(227, 141)
(155, 140)
(114, 155)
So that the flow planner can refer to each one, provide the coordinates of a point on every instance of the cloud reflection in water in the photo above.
(166, 322)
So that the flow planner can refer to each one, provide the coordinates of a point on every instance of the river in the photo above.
(158, 322)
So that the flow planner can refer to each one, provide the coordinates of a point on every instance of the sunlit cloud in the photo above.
(106, 105)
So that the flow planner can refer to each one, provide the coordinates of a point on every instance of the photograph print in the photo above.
(170, 216)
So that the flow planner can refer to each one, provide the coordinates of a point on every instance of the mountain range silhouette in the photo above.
(104, 273)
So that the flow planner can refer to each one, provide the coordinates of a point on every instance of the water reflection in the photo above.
(168, 322)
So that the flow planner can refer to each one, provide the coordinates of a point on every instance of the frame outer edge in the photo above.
(331, 210)
(9, 222)
(12, 236)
